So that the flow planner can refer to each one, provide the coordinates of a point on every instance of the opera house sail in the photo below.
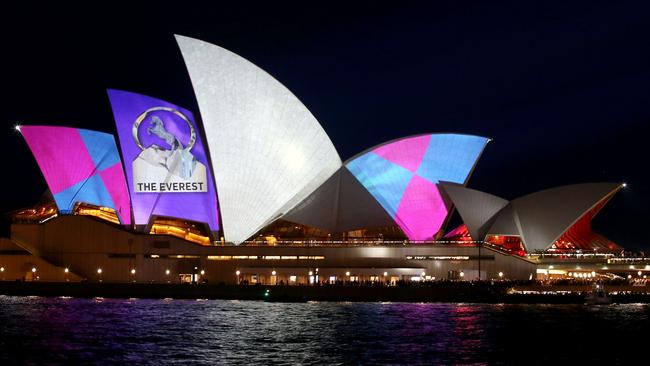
(167, 165)
(403, 176)
(80, 166)
(394, 183)
(268, 151)
(540, 221)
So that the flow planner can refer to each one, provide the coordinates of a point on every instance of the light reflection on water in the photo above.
(117, 331)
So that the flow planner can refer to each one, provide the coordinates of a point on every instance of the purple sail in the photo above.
(166, 163)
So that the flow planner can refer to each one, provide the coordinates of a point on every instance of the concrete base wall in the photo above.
(86, 245)
(17, 264)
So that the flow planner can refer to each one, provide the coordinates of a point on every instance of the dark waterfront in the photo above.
(39, 330)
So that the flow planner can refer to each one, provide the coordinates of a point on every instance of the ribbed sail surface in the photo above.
(402, 175)
(475, 208)
(545, 215)
(167, 166)
(268, 151)
(80, 166)
(340, 204)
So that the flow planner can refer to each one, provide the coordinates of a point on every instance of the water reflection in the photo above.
(141, 331)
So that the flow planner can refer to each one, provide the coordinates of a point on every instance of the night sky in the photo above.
(561, 88)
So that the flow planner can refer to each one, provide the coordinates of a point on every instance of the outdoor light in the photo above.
(462, 274)
(273, 273)
(311, 273)
(17, 127)
(237, 272)
(34, 269)
(385, 274)
(593, 273)
(423, 273)
(202, 272)
(629, 276)
(346, 273)
(167, 272)
(133, 271)
(500, 274)
(639, 273)
(99, 271)
(66, 270)
(624, 184)
(2, 269)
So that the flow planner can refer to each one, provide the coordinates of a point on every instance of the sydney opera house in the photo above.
(254, 191)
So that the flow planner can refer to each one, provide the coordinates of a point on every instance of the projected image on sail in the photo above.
(166, 162)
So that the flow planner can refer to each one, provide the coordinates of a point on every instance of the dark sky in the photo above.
(562, 87)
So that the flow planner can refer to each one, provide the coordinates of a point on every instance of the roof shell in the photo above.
(545, 215)
(80, 165)
(476, 208)
(402, 175)
(200, 206)
(268, 151)
(340, 204)
(539, 219)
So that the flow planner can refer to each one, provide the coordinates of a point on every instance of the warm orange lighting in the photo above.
(104, 213)
(180, 232)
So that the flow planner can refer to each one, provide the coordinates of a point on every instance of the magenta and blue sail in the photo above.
(80, 166)
(403, 175)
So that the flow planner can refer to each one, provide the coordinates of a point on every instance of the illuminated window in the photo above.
(219, 257)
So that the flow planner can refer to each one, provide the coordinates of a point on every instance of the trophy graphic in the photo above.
(167, 165)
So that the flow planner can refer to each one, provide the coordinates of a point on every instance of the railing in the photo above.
(360, 243)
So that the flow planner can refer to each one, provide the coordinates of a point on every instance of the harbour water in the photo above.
(40, 330)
